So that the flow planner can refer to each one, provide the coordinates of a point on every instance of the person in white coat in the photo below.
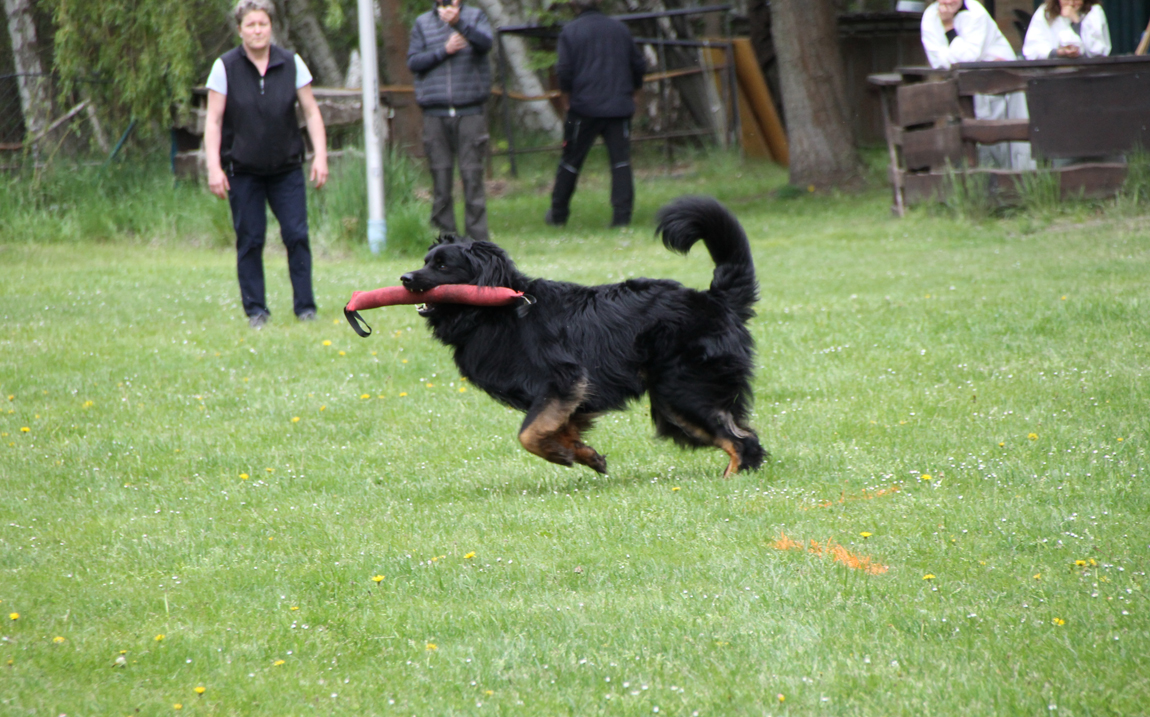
(956, 31)
(1067, 28)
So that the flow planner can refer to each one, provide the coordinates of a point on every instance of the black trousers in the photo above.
(446, 140)
(249, 197)
(579, 135)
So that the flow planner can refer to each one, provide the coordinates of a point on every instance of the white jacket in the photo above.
(1044, 37)
(979, 39)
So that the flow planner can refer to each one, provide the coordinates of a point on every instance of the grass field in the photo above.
(202, 519)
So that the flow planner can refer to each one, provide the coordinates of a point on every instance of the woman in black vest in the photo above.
(255, 154)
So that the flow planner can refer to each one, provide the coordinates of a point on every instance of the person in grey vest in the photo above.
(448, 54)
(255, 153)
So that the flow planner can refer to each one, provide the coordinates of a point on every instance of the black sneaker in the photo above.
(257, 321)
(307, 315)
(551, 222)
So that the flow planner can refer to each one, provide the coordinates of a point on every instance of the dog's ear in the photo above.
(491, 265)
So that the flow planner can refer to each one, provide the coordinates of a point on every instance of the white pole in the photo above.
(372, 146)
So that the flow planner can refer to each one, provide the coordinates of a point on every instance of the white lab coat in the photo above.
(979, 39)
(1043, 37)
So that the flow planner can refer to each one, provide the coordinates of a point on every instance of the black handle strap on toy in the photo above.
(355, 320)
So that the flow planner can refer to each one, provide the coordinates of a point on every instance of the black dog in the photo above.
(580, 351)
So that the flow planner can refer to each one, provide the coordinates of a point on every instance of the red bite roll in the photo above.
(445, 294)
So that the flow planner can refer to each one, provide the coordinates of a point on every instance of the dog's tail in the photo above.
(689, 219)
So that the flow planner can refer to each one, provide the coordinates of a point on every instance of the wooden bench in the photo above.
(1078, 108)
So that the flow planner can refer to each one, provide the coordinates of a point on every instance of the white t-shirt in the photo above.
(218, 77)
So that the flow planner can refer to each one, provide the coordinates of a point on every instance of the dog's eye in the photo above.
(440, 265)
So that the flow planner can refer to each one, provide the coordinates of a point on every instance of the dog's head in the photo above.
(459, 260)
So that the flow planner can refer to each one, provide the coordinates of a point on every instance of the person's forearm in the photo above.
(427, 60)
(318, 135)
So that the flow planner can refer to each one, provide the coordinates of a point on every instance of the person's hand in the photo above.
(1069, 51)
(449, 13)
(1070, 10)
(218, 182)
(319, 171)
(455, 43)
(947, 9)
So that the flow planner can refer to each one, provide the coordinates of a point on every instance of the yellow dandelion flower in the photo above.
(294, 607)
(1119, 439)
(377, 578)
(675, 489)
(403, 394)
(270, 470)
(928, 576)
(295, 419)
(277, 663)
(243, 476)
(1064, 298)
(177, 706)
(200, 689)
(781, 697)
(1038, 576)
(1092, 562)
(343, 353)
(1032, 436)
(57, 639)
(1001, 444)
(326, 343)
(160, 638)
(89, 404)
(432, 646)
(25, 429)
(463, 389)
(1080, 563)
(925, 476)
(11, 397)
(404, 361)
(323, 408)
(865, 534)
(335, 321)
(489, 692)
(431, 385)
(1058, 621)
(366, 396)
(13, 616)
(469, 556)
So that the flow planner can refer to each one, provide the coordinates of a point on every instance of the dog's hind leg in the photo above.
(740, 444)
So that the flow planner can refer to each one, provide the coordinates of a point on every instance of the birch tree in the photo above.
(34, 82)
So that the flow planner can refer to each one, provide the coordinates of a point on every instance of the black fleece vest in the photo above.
(261, 133)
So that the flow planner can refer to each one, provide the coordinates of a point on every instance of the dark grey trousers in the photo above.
(446, 140)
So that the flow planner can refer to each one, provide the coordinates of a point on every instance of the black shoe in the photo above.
(258, 320)
(307, 315)
(550, 221)
(616, 223)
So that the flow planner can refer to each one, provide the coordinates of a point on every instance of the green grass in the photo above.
(1004, 359)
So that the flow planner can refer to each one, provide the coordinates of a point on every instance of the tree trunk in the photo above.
(539, 114)
(35, 84)
(407, 125)
(316, 49)
(813, 80)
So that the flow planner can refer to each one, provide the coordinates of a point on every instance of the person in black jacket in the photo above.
(448, 53)
(600, 68)
(255, 153)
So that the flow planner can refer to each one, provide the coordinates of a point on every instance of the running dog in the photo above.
(580, 351)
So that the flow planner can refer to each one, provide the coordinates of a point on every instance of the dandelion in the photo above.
(1080, 563)
(1001, 444)
(270, 470)
(1058, 621)
(295, 419)
(489, 692)
(25, 429)
(431, 385)
(294, 607)
(1119, 439)
(1032, 436)
(926, 476)
(177, 706)
(89, 404)
(403, 394)
(1038, 576)
(675, 489)
(11, 397)
(277, 663)
(243, 476)
(928, 576)
(160, 638)
(781, 697)
(431, 646)
(469, 556)
(865, 534)
(13, 616)
(326, 343)
(200, 689)
(377, 578)
(463, 389)
(57, 639)
(366, 396)
(323, 408)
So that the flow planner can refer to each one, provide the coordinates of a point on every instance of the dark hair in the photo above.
(584, 5)
(1054, 8)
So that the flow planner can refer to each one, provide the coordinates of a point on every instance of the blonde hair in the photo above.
(243, 7)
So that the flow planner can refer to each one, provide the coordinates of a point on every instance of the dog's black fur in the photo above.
(580, 351)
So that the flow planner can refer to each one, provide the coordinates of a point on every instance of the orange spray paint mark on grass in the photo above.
(865, 495)
(837, 552)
